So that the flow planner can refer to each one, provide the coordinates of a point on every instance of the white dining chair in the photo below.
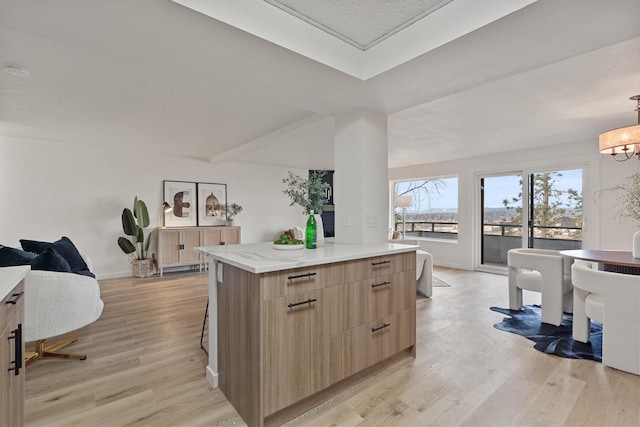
(614, 300)
(545, 271)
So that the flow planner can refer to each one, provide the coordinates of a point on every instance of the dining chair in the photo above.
(614, 300)
(545, 271)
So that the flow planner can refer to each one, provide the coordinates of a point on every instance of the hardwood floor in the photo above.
(145, 367)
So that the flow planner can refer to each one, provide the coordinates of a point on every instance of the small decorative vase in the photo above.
(142, 267)
(228, 223)
(636, 245)
(319, 230)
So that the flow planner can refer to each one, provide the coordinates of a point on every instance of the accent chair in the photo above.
(57, 303)
(424, 268)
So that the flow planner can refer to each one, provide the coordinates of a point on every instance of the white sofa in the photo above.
(424, 268)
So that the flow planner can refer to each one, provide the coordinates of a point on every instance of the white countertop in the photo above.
(10, 277)
(262, 258)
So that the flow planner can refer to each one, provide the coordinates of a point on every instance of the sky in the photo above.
(496, 190)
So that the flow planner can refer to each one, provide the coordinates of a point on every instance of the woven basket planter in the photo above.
(142, 267)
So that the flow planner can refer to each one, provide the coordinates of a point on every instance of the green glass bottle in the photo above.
(312, 232)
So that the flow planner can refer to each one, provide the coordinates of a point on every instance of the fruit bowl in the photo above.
(287, 247)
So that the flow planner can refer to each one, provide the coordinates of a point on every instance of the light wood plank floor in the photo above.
(145, 367)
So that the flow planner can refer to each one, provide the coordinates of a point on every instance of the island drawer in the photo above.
(295, 353)
(380, 266)
(354, 304)
(366, 345)
(288, 282)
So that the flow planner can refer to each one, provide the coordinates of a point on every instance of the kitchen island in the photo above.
(288, 328)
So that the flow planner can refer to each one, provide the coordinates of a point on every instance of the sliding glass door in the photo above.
(535, 209)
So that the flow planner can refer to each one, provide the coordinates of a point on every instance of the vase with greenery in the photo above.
(229, 211)
(628, 203)
(134, 221)
(309, 193)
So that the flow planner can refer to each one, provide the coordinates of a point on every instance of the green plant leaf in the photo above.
(126, 246)
(141, 213)
(128, 223)
(146, 246)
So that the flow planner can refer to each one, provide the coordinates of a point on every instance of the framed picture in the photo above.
(181, 197)
(211, 197)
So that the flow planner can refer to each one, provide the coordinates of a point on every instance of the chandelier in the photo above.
(623, 143)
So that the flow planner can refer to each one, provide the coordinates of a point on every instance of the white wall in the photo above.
(601, 229)
(50, 189)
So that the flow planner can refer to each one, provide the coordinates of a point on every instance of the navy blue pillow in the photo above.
(10, 257)
(64, 247)
(50, 260)
(84, 273)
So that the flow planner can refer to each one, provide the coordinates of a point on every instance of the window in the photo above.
(434, 213)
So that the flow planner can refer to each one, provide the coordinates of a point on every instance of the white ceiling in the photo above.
(152, 75)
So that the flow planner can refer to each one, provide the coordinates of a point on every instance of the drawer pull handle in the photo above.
(15, 298)
(17, 362)
(386, 325)
(309, 301)
(380, 284)
(375, 264)
(301, 275)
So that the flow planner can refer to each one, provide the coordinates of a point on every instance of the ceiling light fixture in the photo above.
(16, 70)
(623, 143)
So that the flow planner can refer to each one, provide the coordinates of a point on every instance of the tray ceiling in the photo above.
(362, 24)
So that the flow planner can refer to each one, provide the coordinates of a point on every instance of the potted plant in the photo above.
(229, 211)
(133, 224)
(309, 193)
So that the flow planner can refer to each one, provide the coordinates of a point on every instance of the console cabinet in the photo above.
(175, 244)
(12, 374)
(288, 335)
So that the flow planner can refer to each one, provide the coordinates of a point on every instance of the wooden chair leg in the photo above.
(43, 351)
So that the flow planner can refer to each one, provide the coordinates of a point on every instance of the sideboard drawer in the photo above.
(364, 346)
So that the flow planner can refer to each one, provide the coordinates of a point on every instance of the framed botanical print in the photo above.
(181, 197)
(211, 197)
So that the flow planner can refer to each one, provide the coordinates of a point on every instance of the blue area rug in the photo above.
(548, 338)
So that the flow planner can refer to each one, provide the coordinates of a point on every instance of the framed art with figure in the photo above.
(181, 197)
(211, 197)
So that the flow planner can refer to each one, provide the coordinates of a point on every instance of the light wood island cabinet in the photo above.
(288, 337)
(12, 376)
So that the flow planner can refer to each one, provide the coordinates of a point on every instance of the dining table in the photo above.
(608, 260)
